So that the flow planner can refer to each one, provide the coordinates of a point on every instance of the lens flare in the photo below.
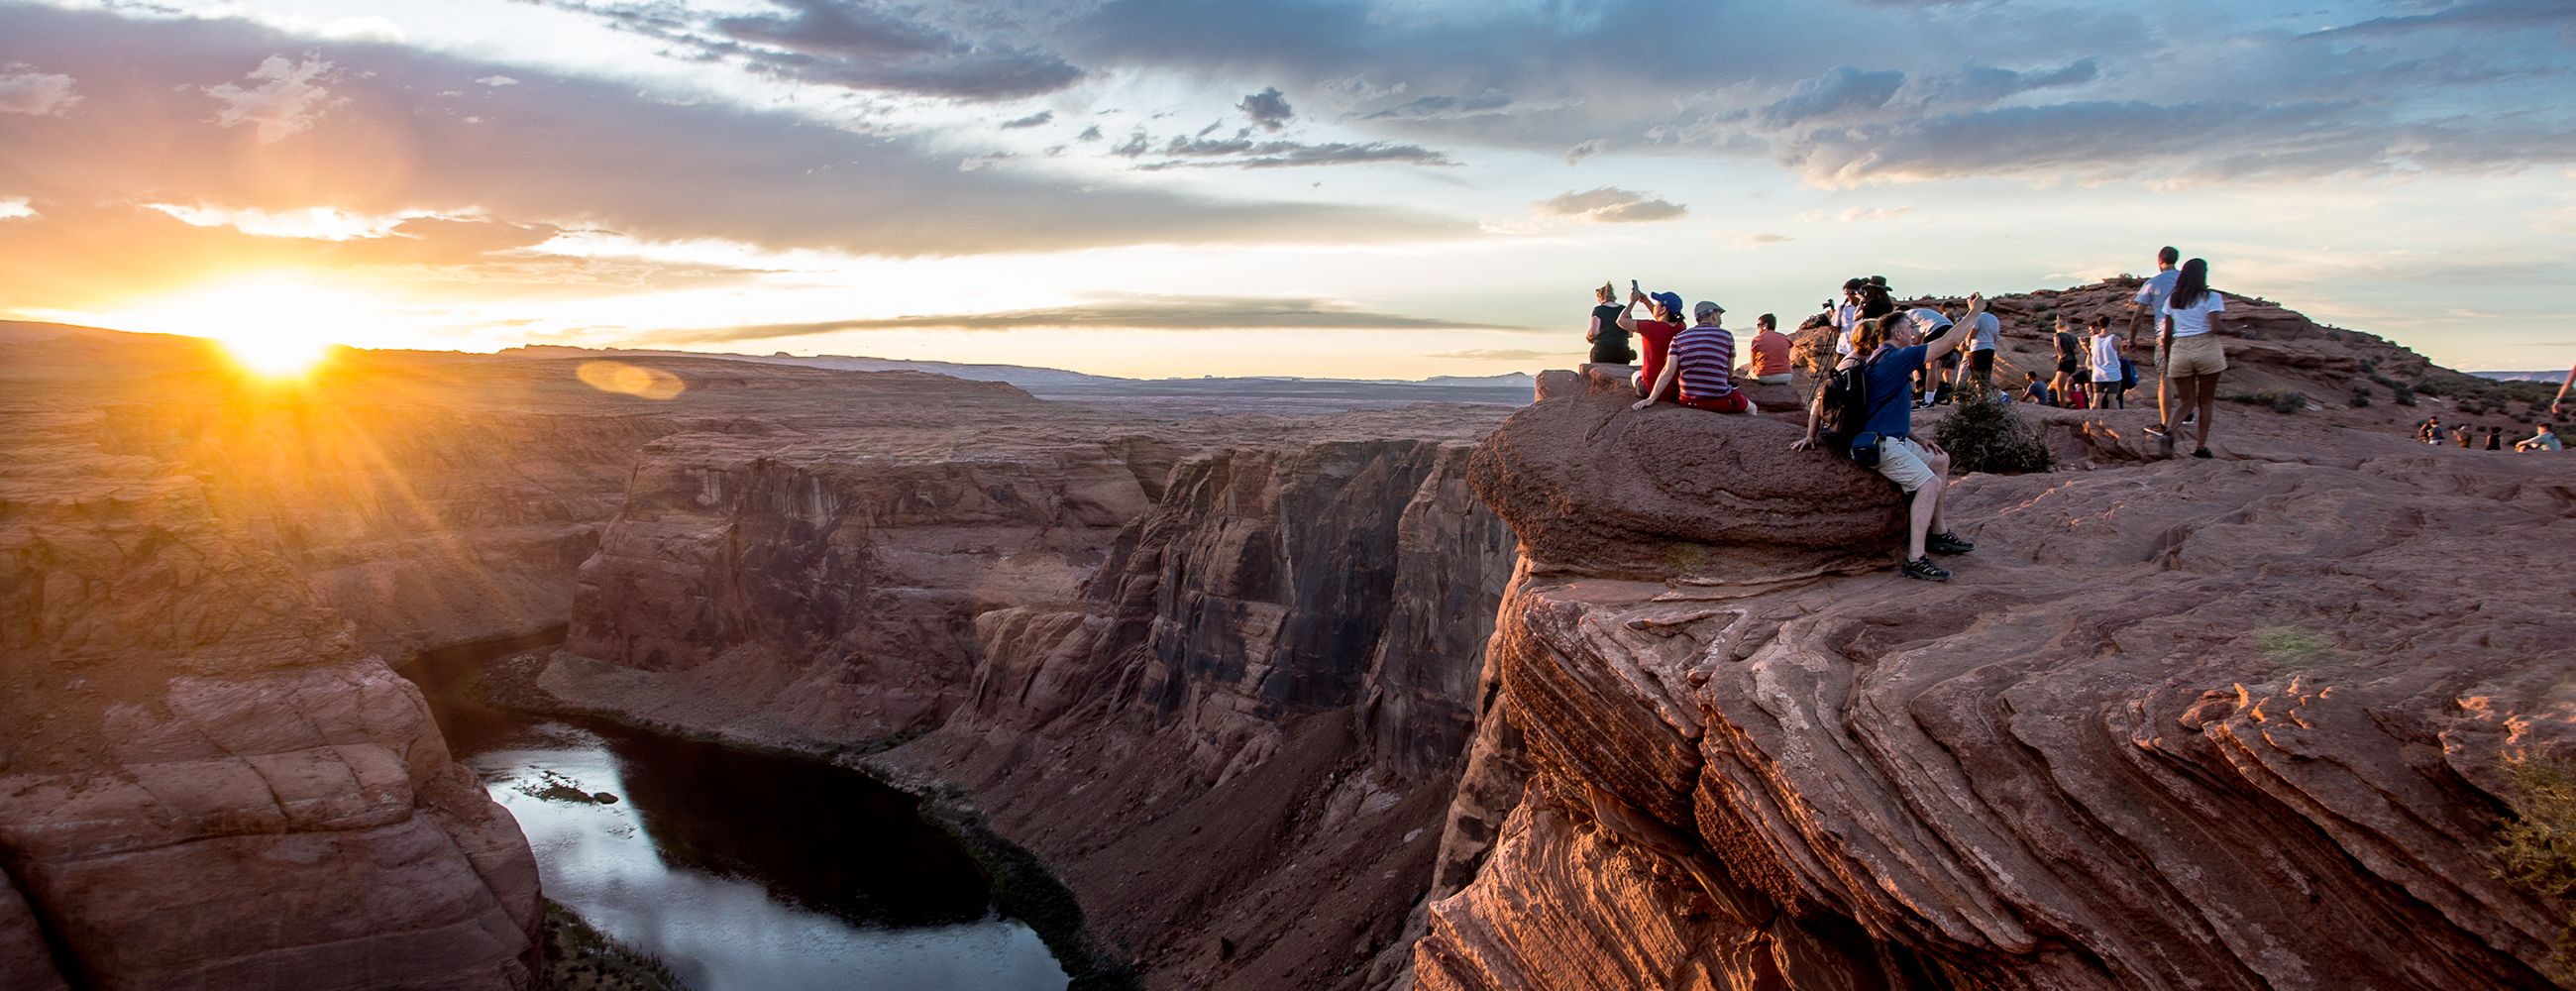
(633, 380)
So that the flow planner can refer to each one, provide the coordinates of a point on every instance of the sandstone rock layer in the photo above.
(2190, 725)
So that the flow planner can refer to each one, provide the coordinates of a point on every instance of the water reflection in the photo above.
(742, 872)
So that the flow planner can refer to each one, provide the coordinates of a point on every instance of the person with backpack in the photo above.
(1865, 413)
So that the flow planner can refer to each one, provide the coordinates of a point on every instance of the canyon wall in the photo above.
(208, 781)
(1208, 671)
(2197, 724)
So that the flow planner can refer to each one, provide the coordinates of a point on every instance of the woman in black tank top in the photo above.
(1609, 341)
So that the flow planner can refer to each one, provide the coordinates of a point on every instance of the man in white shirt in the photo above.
(2147, 306)
(1845, 316)
(2151, 297)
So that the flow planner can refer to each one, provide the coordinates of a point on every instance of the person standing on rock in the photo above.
(1983, 332)
(2103, 349)
(2151, 297)
(1847, 317)
(2070, 357)
(1896, 351)
(1655, 336)
(1702, 364)
(2188, 352)
(1770, 364)
(1609, 339)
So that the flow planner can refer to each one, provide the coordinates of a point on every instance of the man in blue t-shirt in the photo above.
(1895, 352)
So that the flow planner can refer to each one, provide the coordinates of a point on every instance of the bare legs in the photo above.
(2198, 390)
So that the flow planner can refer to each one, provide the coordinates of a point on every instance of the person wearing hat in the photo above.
(1654, 337)
(1702, 364)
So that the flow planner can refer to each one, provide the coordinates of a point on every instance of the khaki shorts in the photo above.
(1904, 462)
(2199, 354)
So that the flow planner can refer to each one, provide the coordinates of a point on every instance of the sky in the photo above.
(1176, 188)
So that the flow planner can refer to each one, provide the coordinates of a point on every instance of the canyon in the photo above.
(1442, 696)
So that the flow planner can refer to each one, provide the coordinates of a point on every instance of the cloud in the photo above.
(1586, 150)
(1490, 103)
(1841, 92)
(497, 81)
(286, 101)
(1984, 85)
(2486, 14)
(1481, 354)
(1609, 205)
(1243, 153)
(574, 153)
(1875, 213)
(1268, 109)
(1034, 120)
(1346, 94)
(845, 43)
(36, 93)
(1747, 240)
(1119, 312)
(987, 160)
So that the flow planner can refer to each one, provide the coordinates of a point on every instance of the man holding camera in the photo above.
(1895, 352)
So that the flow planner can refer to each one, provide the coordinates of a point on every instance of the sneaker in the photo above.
(1923, 568)
(1947, 543)
(2202, 453)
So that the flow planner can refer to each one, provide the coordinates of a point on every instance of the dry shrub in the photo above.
(1983, 433)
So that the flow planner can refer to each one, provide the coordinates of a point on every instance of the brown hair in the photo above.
(1872, 333)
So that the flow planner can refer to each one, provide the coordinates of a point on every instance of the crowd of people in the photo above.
(2430, 431)
(1891, 361)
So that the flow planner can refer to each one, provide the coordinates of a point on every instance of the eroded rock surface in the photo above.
(2197, 724)
(207, 782)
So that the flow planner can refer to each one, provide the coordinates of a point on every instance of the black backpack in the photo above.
(1847, 408)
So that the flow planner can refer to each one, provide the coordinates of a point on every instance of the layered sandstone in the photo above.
(2193, 724)
(207, 781)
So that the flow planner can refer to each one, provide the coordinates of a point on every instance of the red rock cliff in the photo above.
(2197, 724)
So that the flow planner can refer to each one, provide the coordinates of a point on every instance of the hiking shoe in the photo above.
(1923, 568)
(1947, 543)
(2202, 453)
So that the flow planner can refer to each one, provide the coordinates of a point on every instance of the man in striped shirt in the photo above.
(1702, 366)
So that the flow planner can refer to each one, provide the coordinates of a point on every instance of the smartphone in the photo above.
(1632, 285)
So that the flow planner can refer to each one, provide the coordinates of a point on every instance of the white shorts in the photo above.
(1904, 462)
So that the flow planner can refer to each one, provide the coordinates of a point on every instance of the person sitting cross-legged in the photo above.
(1895, 351)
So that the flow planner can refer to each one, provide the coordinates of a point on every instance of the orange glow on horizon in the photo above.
(274, 326)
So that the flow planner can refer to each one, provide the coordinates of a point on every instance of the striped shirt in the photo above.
(1705, 360)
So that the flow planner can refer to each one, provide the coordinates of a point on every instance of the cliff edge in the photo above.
(2189, 724)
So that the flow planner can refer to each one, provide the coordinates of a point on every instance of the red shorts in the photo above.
(1732, 402)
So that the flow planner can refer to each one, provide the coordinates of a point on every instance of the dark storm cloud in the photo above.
(1132, 313)
(1268, 108)
(1031, 120)
(547, 151)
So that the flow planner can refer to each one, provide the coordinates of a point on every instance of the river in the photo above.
(742, 872)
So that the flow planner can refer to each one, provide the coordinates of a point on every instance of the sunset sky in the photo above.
(1377, 188)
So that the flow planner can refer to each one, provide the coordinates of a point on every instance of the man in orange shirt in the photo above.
(1770, 361)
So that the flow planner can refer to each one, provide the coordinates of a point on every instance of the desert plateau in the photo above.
(1440, 695)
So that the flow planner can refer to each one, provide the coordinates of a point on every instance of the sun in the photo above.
(273, 326)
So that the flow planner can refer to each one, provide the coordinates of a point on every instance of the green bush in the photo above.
(1983, 433)
(2405, 396)
(2537, 848)
(2360, 396)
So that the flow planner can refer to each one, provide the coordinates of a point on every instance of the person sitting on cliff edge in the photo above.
(1654, 337)
(1702, 361)
(1896, 352)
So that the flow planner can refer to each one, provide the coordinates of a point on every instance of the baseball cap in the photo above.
(1668, 300)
